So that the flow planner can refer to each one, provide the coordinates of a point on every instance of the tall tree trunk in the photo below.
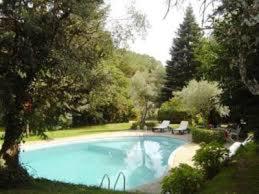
(144, 115)
(10, 148)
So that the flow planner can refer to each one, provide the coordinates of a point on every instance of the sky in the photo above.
(158, 40)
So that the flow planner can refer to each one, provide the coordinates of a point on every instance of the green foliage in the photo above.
(201, 98)
(131, 62)
(207, 135)
(237, 33)
(134, 125)
(210, 158)
(208, 54)
(108, 99)
(149, 124)
(172, 110)
(182, 180)
(239, 176)
(46, 48)
(182, 66)
(144, 92)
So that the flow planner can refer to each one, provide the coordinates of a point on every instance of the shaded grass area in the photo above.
(240, 177)
(86, 130)
(43, 186)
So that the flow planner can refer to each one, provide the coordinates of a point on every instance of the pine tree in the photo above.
(182, 66)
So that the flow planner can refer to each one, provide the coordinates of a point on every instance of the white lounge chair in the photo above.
(182, 128)
(235, 146)
(163, 126)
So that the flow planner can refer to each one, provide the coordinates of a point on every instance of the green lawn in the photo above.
(44, 186)
(86, 130)
(81, 131)
(241, 177)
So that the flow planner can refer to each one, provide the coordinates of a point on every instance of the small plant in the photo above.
(210, 158)
(182, 180)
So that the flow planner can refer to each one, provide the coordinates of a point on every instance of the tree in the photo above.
(108, 99)
(208, 55)
(236, 31)
(45, 45)
(182, 66)
(201, 98)
(144, 93)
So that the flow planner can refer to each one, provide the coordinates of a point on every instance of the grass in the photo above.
(240, 177)
(87, 130)
(43, 186)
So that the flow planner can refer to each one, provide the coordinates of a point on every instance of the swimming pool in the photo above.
(141, 158)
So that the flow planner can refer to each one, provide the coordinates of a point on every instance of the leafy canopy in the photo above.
(201, 97)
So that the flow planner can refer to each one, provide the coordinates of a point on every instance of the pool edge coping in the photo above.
(34, 145)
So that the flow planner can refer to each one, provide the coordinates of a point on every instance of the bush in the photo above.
(182, 180)
(207, 136)
(134, 125)
(210, 158)
(149, 124)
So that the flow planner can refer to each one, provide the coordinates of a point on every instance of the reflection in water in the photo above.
(144, 160)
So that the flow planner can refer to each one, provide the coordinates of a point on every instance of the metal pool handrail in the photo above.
(124, 181)
(109, 182)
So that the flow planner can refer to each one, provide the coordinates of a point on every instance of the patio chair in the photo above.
(182, 128)
(235, 146)
(162, 127)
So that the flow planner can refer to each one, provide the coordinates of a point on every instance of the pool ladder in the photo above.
(116, 182)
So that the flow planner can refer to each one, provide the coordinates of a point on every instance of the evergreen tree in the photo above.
(182, 66)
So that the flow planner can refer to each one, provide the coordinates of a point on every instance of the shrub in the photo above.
(182, 180)
(134, 125)
(210, 158)
(149, 124)
(207, 135)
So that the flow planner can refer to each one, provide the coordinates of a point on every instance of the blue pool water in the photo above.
(142, 160)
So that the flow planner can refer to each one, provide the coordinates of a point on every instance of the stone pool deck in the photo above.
(182, 154)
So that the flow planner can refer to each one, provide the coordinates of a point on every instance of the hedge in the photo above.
(207, 135)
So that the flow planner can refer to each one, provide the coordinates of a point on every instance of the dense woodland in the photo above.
(60, 67)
